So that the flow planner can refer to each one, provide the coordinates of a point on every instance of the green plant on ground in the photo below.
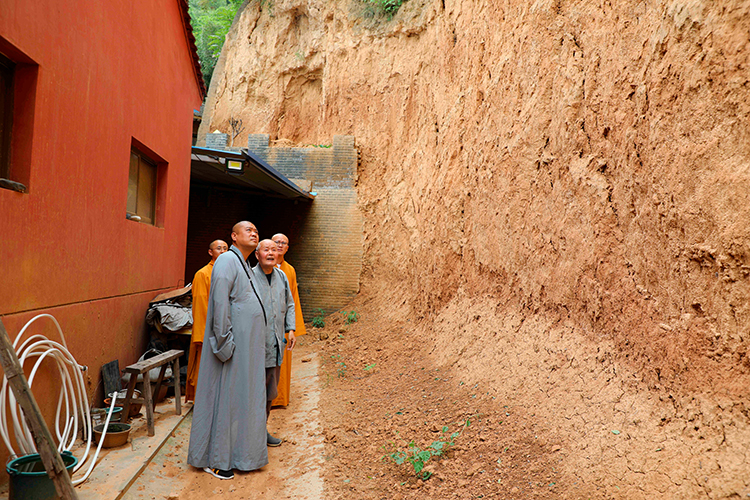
(370, 367)
(418, 457)
(339, 365)
(350, 317)
(387, 7)
(318, 320)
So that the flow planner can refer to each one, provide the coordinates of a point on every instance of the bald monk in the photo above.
(201, 288)
(229, 416)
(285, 378)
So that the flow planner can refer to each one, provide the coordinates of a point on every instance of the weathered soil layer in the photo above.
(555, 194)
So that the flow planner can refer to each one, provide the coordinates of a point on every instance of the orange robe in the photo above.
(201, 287)
(285, 378)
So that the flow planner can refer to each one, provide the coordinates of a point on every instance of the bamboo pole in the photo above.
(45, 445)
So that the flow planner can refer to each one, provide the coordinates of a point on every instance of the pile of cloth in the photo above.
(171, 311)
(170, 316)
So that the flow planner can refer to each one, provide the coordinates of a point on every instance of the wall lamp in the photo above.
(235, 167)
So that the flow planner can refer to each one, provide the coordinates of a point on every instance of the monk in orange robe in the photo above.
(285, 378)
(201, 287)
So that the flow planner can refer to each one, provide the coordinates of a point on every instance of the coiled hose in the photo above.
(72, 399)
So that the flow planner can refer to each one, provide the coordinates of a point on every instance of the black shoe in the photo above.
(272, 441)
(221, 474)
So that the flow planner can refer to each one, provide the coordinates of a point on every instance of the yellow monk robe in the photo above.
(285, 378)
(201, 286)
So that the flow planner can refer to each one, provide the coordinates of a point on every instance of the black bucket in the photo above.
(29, 479)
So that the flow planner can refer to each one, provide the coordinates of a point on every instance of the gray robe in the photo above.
(279, 305)
(229, 415)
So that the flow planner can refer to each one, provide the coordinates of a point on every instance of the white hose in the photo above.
(101, 441)
(72, 398)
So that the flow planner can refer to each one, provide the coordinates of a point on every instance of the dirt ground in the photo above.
(373, 393)
(529, 423)
(294, 469)
(549, 414)
(382, 393)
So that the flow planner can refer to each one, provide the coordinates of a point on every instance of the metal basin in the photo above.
(117, 434)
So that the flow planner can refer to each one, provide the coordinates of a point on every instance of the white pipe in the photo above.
(72, 394)
(101, 441)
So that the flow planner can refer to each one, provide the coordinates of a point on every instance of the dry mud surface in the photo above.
(294, 469)
(555, 197)
(378, 400)
(373, 387)
(578, 427)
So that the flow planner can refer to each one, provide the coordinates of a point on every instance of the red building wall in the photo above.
(108, 73)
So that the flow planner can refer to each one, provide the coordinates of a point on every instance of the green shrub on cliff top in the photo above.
(387, 7)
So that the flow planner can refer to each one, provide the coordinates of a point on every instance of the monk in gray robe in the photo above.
(229, 420)
(278, 301)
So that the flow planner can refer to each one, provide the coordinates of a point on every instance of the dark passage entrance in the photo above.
(325, 231)
(219, 199)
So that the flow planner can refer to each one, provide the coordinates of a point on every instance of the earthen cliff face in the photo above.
(557, 192)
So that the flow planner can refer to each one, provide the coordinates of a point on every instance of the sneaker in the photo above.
(272, 441)
(221, 474)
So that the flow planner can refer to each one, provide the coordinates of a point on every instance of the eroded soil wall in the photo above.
(557, 191)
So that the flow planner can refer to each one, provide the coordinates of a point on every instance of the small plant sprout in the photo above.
(418, 457)
(318, 320)
(370, 367)
(350, 317)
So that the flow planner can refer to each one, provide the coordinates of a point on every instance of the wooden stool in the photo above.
(147, 400)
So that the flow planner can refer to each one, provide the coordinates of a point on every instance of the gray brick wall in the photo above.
(327, 253)
(217, 141)
(258, 143)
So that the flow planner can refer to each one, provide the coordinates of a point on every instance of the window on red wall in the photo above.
(18, 76)
(146, 185)
(142, 187)
(7, 69)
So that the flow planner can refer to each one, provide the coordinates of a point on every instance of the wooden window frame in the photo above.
(7, 78)
(146, 160)
(17, 117)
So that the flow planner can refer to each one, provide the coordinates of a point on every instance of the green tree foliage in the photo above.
(211, 22)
